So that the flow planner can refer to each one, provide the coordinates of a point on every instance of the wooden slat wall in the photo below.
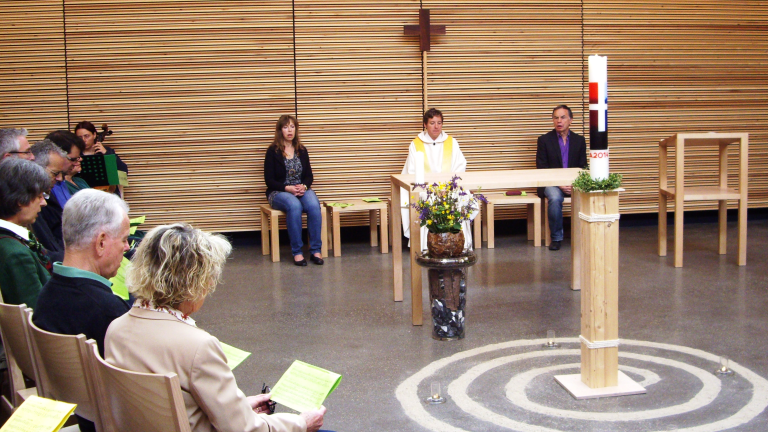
(681, 66)
(33, 91)
(498, 72)
(359, 94)
(192, 90)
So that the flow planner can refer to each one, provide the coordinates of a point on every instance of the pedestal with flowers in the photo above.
(443, 209)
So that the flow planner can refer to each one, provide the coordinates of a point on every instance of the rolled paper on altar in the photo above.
(598, 117)
(418, 161)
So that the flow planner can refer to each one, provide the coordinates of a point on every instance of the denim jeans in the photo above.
(293, 206)
(555, 196)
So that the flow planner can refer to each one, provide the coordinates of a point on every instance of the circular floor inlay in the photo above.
(523, 366)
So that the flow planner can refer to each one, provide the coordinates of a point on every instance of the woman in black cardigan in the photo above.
(289, 176)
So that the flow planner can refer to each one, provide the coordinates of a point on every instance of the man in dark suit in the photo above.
(559, 148)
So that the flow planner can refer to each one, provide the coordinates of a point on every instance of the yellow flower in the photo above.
(429, 222)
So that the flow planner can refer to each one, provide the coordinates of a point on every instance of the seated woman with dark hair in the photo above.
(74, 146)
(24, 264)
(173, 271)
(289, 177)
(86, 131)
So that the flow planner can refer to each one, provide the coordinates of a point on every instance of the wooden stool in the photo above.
(545, 217)
(533, 203)
(334, 228)
(269, 219)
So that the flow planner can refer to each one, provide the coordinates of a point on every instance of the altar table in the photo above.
(471, 180)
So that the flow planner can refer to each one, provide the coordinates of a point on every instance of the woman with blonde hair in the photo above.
(289, 177)
(174, 269)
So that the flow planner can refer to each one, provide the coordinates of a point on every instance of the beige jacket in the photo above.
(156, 342)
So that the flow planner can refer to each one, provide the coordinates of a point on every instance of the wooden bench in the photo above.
(378, 212)
(533, 203)
(269, 218)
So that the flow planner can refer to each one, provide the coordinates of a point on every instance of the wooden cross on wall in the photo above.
(424, 31)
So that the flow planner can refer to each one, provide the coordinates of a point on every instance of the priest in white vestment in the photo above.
(441, 154)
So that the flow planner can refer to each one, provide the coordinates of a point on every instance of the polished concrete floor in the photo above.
(341, 316)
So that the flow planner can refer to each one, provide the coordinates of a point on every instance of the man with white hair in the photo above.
(47, 227)
(78, 298)
(14, 143)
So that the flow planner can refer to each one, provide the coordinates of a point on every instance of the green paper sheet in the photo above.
(235, 356)
(38, 414)
(304, 387)
(371, 199)
(118, 282)
(135, 222)
(339, 204)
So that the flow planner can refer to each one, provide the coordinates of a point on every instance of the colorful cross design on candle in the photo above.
(598, 117)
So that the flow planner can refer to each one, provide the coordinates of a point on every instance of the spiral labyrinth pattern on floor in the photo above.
(511, 386)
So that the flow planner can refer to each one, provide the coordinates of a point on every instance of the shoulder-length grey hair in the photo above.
(9, 139)
(21, 181)
(90, 212)
(177, 263)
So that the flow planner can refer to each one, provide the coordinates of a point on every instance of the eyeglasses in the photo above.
(46, 195)
(21, 152)
(271, 404)
(75, 159)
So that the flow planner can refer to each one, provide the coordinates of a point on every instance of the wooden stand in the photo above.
(378, 217)
(597, 223)
(720, 192)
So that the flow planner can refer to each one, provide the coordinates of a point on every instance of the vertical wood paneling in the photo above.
(192, 90)
(33, 92)
(359, 93)
(498, 72)
(681, 66)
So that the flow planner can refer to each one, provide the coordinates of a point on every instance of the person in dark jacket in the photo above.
(288, 175)
(559, 148)
(78, 298)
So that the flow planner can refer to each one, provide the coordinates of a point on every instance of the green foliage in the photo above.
(585, 183)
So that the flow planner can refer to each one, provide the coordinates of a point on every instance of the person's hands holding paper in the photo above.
(314, 419)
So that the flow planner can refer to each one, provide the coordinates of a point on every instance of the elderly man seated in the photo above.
(23, 262)
(47, 227)
(78, 298)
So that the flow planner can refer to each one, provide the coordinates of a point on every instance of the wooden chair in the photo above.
(378, 212)
(133, 401)
(533, 204)
(545, 218)
(270, 240)
(13, 327)
(64, 371)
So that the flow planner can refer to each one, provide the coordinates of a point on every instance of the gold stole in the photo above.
(447, 154)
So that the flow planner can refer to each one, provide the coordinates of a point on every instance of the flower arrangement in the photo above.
(445, 205)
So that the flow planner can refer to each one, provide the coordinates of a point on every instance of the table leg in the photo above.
(275, 240)
(537, 224)
(484, 221)
(417, 311)
(264, 233)
(679, 200)
(336, 231)
(576, 245)
(742, 232)
(397, 245)
(662, 224)
(490, 222)
(384, 231)
(722, 226)
(373, 226)
(529, 221)
(477, 232)
(324, 233)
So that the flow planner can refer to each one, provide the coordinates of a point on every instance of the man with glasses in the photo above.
(13, 142)
(47, 227)
(559, 148)
(24, 265)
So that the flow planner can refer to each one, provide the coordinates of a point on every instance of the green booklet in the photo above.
(304, 387)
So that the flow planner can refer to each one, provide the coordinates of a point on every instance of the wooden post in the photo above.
(424, 89)
(599, 250)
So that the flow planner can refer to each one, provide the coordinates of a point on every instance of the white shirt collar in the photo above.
(16, 229)
(424, 136)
